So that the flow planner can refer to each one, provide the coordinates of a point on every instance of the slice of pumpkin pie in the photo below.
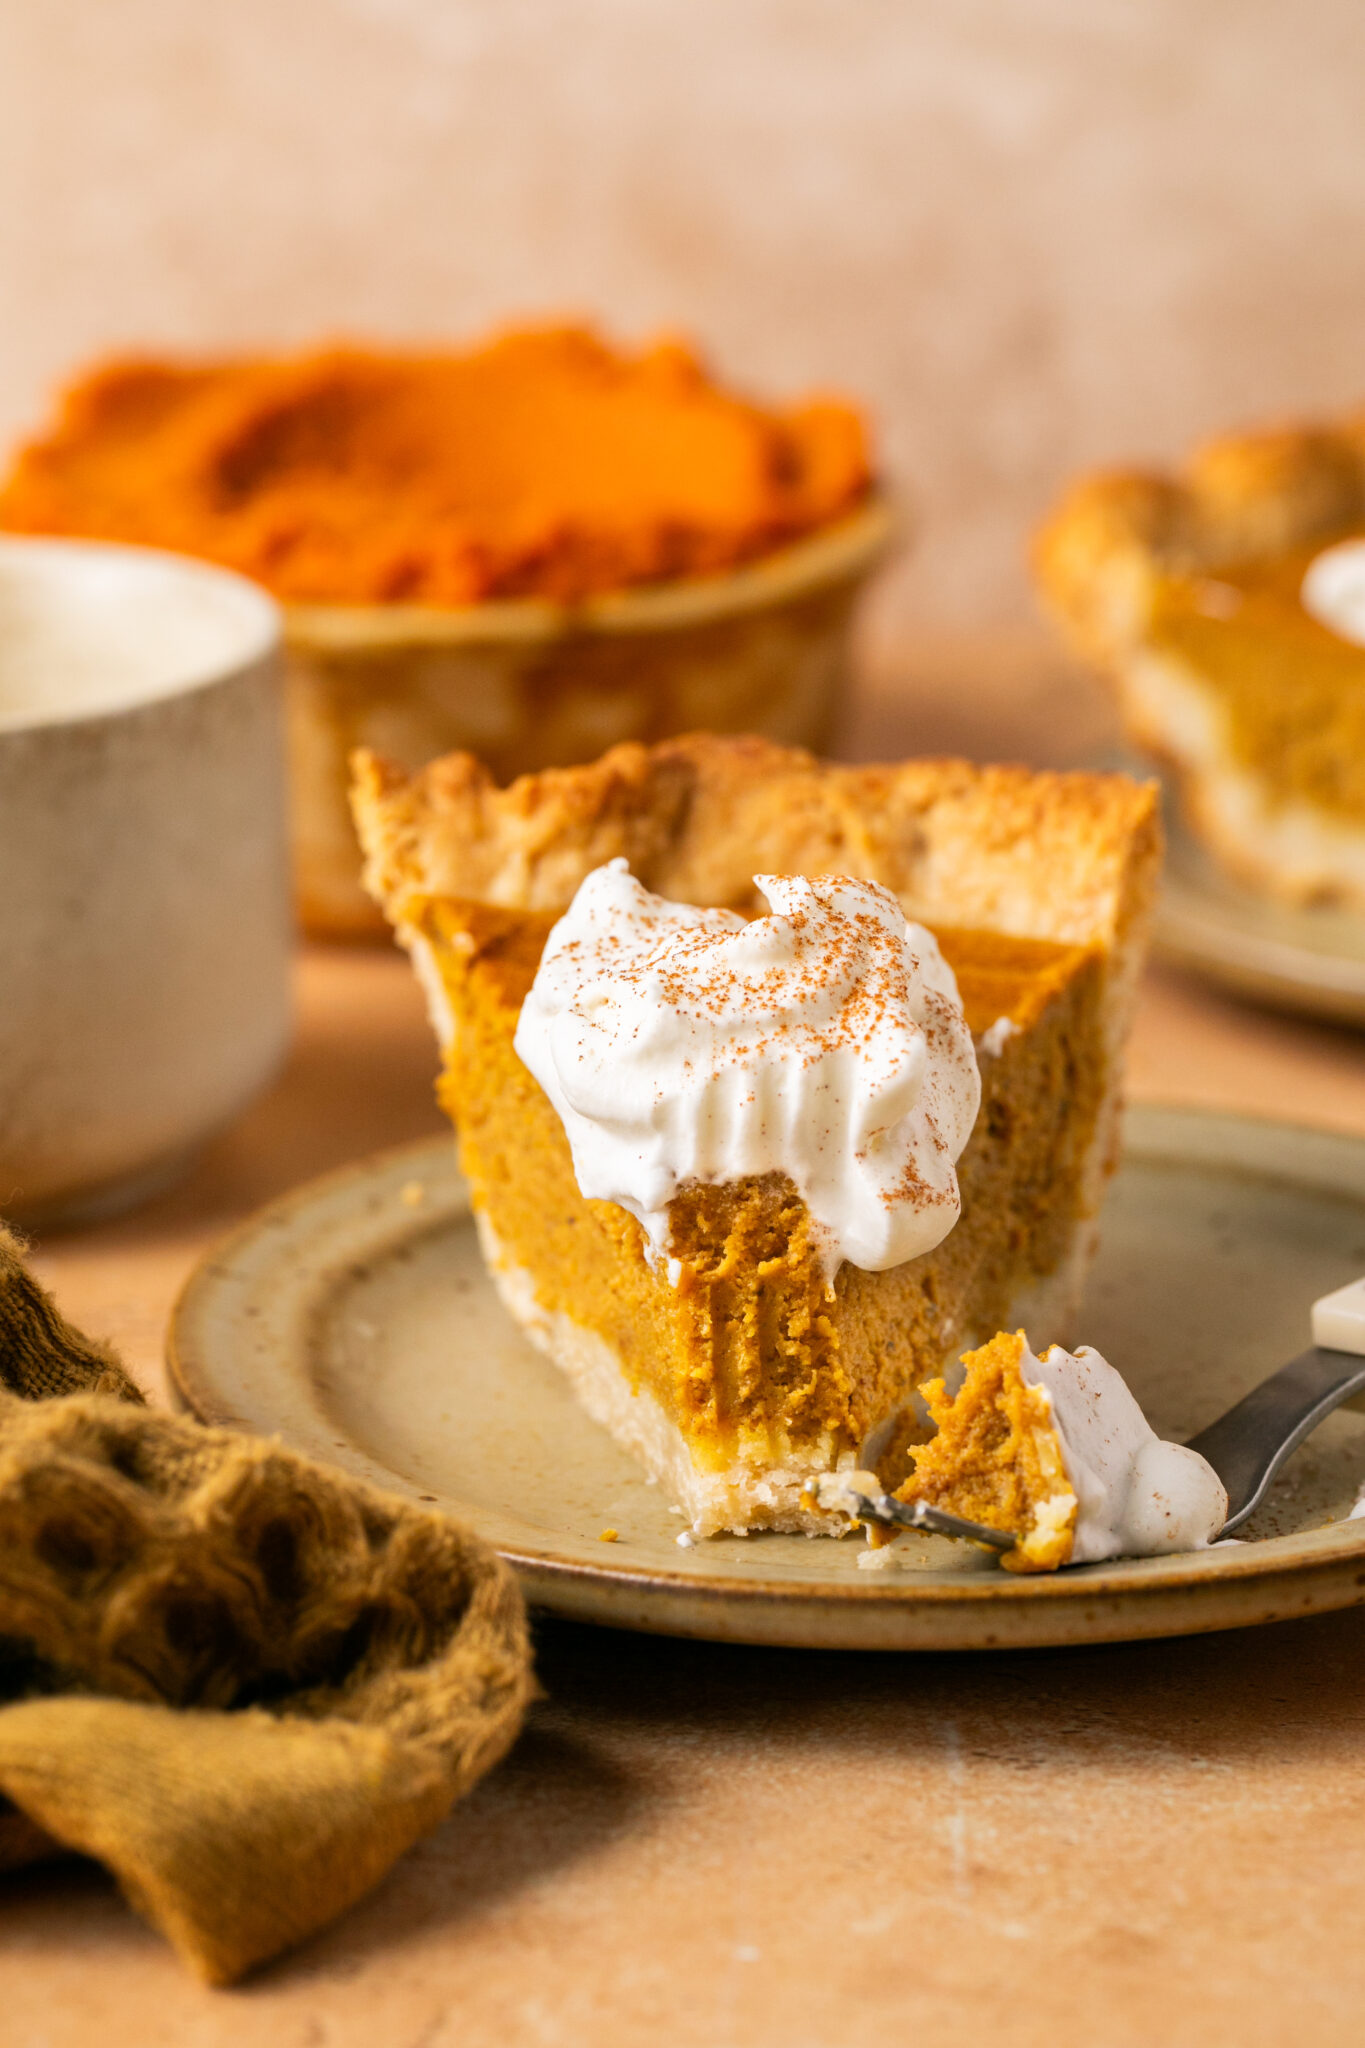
(777, 1083)
(1225, 603)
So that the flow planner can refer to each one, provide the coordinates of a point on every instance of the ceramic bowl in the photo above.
(527, 685)
(144, 920)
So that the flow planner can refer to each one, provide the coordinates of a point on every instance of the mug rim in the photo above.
(257, 637)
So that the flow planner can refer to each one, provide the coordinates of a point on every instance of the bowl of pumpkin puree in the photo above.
(533, 548)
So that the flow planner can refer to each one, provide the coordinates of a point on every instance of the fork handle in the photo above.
(1247, 1446)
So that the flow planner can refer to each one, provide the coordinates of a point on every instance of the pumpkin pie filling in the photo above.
(745, 1352)
(1292, 692)
(997, 1456)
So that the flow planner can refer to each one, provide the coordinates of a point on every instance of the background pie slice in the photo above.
(747, 1376)
(1185, 590)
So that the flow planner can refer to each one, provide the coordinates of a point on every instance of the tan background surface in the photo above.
(1031, 235)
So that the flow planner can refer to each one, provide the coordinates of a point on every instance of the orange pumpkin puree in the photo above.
(546, 463)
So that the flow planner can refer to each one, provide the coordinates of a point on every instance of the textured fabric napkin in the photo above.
(244, 1682)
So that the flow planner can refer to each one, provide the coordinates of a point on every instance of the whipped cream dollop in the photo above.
(1137, 1496)
(825, 1041)
(1333, 590)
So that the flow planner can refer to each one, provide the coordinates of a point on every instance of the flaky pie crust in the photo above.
(1066, 857)
(1238, 497)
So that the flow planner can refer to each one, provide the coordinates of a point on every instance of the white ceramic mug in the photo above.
(144, 887)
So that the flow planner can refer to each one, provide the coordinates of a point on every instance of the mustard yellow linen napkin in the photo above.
(242, 1681)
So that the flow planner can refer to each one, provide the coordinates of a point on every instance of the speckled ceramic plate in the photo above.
(353, 1318)
(1308, 960)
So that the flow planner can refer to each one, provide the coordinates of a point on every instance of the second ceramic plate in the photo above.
(353, 1319)
(1297, 959)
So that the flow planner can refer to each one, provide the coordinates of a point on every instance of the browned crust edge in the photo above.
(1097, 555)
(1069, 857)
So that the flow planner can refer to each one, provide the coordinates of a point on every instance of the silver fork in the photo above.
(1246, 1447)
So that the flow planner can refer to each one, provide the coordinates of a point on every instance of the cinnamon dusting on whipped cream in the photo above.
(824, 1041)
